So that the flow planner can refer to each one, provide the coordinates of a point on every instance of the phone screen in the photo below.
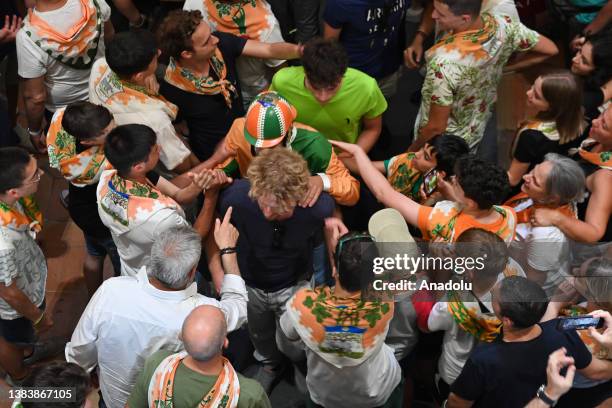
(579, 323)
(430, 181)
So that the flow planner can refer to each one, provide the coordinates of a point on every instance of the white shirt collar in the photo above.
(143, 280)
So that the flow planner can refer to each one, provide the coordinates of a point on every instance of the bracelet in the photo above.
(140, 23)
(35, 133)
(228, 250)
(37, 322)
(423, 33)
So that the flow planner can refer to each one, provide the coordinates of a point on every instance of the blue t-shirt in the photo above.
(372, 32)
(274, 255)
(508, 374)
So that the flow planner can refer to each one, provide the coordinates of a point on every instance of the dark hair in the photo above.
(484, 182)
(459, 7)
(85, 121)
(354, 260)
(602, 59)
(174, 33)
(479, 243)
(131, 52)
(563, 92)
(325, 62)
(128, 145)
(448, 148)
(60, 374)
(522, 301)
(13, 162)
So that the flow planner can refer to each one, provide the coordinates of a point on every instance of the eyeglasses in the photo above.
(277, 236)
(35, 178)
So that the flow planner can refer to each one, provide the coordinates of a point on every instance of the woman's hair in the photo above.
(597, 280)
(566, 179)
(563, 92)
(602, 60)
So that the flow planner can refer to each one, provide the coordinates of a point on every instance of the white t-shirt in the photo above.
(21, 262)
(458, 344)
(546, 249)
(253, 73)
(65, 85)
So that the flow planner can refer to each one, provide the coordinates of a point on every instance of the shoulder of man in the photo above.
(251, 392)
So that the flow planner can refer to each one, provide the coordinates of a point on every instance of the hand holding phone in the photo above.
(579, 322)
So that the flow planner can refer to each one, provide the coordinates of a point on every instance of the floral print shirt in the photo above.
(463, 72)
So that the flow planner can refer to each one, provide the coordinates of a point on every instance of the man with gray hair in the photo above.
(129, 318)
(200, 373)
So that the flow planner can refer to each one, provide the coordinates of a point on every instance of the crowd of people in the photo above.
(221, 156)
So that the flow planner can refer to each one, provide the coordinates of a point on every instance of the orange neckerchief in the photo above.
(343, 331)
(81, 169)
(244, 18)
(24, 215)
(601, 159)
(524, 212)
(224, 393)
(467, 43)
(186, 80)
(79, 46)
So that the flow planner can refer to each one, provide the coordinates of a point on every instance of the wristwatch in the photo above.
(545, 398)
(34, 133)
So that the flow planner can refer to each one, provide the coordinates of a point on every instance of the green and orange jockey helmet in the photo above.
(268, 120)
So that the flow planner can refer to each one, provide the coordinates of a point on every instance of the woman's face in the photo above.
(601, 128)
(534, 182)
(535, 99)
(582, 63)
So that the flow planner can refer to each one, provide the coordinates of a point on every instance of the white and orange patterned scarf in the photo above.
(186, 80)
(251, 19)
(343, 331)
(224, 394)
(81, 169)
(129, 203)
(601, 159)
(79, 46)
(123, 97)
(24, 215)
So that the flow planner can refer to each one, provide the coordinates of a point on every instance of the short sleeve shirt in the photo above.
(208, 116)
(445, 222)
(508, 374)
(339, 119)
(468, 84)
(372, 33)
(22, 263)
(191, 386)
(65, 85)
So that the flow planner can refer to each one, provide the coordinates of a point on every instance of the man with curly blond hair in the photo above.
(276, 243)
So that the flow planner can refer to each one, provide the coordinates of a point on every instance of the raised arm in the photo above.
(378, 184)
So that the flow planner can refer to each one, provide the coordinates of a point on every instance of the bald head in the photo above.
(204, 332)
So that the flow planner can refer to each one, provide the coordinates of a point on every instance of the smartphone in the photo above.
(430, 181)
(579, 322)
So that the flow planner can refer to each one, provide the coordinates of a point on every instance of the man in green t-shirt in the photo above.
(342, 103)
(199, 373)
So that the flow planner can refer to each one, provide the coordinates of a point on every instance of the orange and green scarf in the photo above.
(404, 177)
(79, 46)
(130, 203)
(124, 97)
(343, 331)
(186, 80)
(470, 318)
(245, 18)
(224, 393)
(81, 169)
(525, 208)
(24, 215)
(467, 43)
(601, 159)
